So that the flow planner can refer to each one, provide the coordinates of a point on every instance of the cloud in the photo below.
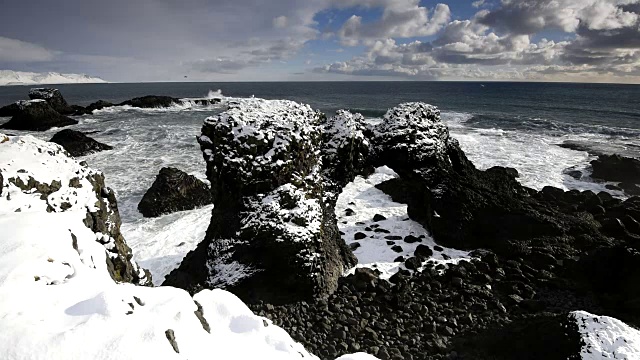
(477, 4)
(12, 50)
(400, 19)
(280, 22)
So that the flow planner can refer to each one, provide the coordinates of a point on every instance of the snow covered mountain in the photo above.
(10, 77)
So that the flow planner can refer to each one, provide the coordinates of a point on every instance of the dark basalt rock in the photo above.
(9, 110)
(98, 105)
(53, 97)
(460, 205)
(77, 143)
(174, 190)
(151, 101)
(272, 237)
(616, 168)
(36, 115)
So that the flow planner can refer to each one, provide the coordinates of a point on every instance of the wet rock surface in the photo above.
(77, 143)
(174, 190)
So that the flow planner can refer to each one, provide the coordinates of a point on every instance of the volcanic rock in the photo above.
(77, 143)
(53, 97)
(36, 115)
(616, 168)
(174, 190)
(152, 101)
(271, 237)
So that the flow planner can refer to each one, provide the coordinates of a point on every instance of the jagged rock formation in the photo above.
(461, 206)
(77, 143)
(66, 185)
(345, 150)
(271, 229)
(36, 115)
(53, 97)
(174, 190)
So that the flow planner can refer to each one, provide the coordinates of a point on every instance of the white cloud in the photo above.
(280, 22)
(12, 50)
(400, 19)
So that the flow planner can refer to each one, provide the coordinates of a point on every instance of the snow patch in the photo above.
(605, 337)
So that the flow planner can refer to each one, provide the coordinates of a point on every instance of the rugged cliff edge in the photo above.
(66, 277)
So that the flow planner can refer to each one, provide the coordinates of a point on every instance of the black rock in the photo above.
(36, 115)
(410, 239)
(378, 217)
(423, 251)
(396, 248)
(53, 97)
(413, 263)
(359, 236)
(616, 168)
(152, 101)
(630, 188)
(174, 190)
(393, 237)
(77, 143)
(98, 105)
(9, 110)
(354, 245)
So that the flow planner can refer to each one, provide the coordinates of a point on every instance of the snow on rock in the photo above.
(9, 77)
(39, 177)
(605, 337)
(345, 150)
(357, 207)
(271, 235)
(58, 299)
(53, 97)
(414, 131)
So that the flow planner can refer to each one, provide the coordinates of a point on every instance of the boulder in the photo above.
(53, 97)
(272, 237)
(616, 168)
(174, 190)
(98, 105)
(36, 115)
(151, 101)
(77, 143)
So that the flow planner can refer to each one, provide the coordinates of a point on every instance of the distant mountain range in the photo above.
(10, 77)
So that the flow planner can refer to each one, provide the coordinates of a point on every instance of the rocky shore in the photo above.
(470, 264)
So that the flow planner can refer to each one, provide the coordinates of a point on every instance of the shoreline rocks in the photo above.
(53, 97)
(174, 190)
(77, 143)
(36, 115)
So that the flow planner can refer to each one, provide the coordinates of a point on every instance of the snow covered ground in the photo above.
(357, 205)
(10, 77)
(58, 301)
(604, 337)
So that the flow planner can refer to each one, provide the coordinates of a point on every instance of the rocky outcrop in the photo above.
(36, 115)
(616, 168)
(151, 101)
(62, 184)
(460, 205)
(9, 110)
(77, 143)
(53, 97)
(174, 190)
(272, 235)
(345, 150)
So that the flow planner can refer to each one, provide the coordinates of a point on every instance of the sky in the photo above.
(306, 40)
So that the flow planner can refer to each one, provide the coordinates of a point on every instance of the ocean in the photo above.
(518, 125)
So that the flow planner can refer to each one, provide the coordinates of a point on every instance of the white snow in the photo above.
(366, 200)
(605, 337)
(10, 77)
(59, 302)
